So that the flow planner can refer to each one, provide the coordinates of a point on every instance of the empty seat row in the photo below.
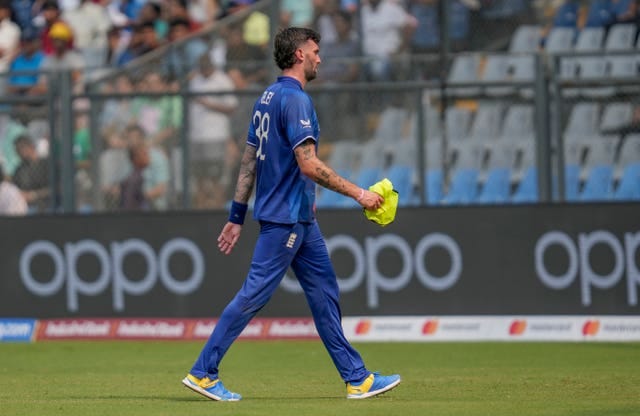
(599, 168)
(619, 37)
(518, 65)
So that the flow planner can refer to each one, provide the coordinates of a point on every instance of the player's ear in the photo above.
(300, 54)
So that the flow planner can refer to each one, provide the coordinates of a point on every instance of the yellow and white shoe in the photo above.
(212, 389)
(372, 386)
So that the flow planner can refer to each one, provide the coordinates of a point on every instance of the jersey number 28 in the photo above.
(261, 121)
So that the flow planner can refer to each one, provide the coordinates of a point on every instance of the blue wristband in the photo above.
(238, 212)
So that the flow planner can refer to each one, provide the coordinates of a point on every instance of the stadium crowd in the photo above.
(92, 37)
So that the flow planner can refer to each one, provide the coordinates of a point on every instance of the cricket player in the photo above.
(280, 161)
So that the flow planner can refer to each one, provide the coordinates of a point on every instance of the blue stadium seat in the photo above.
(463, 188)
(433, 180)
(571, 182)
(527, 190)
(598, 184)
(629, 187)
(526, 38)
(496, 188)
(401, 177)
(367, 176)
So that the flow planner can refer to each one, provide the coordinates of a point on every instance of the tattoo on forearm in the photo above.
(247, 175)
(329, 179)
(322, 174)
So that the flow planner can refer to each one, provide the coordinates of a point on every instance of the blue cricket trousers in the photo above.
(279, 246)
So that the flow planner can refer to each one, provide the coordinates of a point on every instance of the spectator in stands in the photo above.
(64, 58)
(82, 157)
(339, 65)
(323, 19)
(426, 38)
(116, 14)
(178, 10)
(296, 13)
(181, 59)
(155, 176)
(159, 116)
(116, 113)
(138, 43)
(386, 31)
(51, 14)
(256, 27)
(82, 141)
(141, 176)
(116, 45)
(32, 175)
(9, 41)
(132, 195)
(245, 63)
(624, 11)
(11, 200)
(130, 8)
(26, 65)
(234, 6)
(213, 150)
(599, 14)
(90, 23)
(565, 15)
(10, 129)
(204, 12)
(151, 12)
(150, 39)
(23, 13)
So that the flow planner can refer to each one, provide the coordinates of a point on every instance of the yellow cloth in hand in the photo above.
(387, 211)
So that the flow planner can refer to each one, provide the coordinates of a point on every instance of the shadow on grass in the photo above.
(195, 398)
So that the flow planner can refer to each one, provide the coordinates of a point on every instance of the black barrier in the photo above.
(530, 260)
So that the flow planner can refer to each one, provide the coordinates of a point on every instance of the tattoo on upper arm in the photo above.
(305, 150)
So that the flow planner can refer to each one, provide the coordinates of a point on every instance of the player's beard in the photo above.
(311, 73)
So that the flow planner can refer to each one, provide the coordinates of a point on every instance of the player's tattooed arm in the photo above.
(320, 173)
(323, 175)
(247, 175)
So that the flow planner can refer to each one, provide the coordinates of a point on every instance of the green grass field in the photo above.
(297, 378)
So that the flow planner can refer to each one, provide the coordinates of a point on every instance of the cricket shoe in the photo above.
(212, 389)
(372, 386)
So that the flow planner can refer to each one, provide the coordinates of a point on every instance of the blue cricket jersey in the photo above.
(283, 117)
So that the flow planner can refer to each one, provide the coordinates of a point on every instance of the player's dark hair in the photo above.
(288, 40)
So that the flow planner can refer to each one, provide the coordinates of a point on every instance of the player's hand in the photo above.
(229, 237)
(370, 200)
